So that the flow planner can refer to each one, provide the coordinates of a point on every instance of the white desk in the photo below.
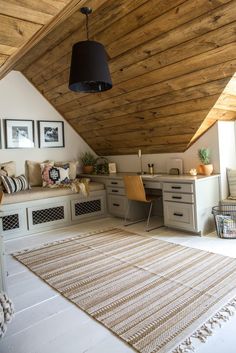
(187, 200)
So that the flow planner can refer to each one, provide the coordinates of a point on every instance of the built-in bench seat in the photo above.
(39, 193)
(228, 202)
(40, 209)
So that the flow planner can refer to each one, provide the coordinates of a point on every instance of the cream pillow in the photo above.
(33, 172)
(231, 175)
(7, 169)
(72, 168)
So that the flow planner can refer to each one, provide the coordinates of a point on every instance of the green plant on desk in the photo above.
(101, 166)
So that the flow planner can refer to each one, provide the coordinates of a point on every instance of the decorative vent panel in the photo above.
(10, 222)
(87, 207)
(48, 215)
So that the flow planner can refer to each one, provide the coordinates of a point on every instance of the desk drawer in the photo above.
(178, 197)
(178, 187)
(115, 182)
(179, 215)
(117, 205)
(116, 191)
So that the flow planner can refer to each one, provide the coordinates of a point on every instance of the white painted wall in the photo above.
(227, 148)
(20, 100)
(131, 163)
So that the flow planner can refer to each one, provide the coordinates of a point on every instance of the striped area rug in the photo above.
(154, 295)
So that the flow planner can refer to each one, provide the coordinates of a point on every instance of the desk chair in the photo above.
(135, 191)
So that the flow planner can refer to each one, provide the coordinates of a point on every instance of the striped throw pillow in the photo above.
(16, 184)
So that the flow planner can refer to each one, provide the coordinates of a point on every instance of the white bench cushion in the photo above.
(228, 202)
(39, 193)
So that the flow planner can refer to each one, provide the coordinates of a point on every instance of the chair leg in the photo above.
(127, 214)
(127, 211)
(148, 219)
(149, 215)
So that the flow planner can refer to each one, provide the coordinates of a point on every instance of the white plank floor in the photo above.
(45, 322)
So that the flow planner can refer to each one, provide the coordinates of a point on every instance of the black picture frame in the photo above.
(19, 133)
(51, 134)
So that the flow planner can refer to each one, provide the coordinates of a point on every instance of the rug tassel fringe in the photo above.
(206, 330)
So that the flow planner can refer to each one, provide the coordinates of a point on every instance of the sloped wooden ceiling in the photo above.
(169, 61)
(224, 108)
(21, 21)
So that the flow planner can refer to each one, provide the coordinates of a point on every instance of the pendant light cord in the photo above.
(87, 28)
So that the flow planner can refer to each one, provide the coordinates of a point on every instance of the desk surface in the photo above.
(156, 177)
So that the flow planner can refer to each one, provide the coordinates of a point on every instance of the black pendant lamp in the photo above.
(89, 70)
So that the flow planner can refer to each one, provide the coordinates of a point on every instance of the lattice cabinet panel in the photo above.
(49, 215)
(87, 207)
(12, 222)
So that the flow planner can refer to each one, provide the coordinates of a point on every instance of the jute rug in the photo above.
(156, 296)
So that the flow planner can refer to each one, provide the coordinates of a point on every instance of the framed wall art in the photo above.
(51, 134)
(19, 133)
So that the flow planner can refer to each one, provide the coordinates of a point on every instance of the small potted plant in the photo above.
(88, 160)
(204, 155)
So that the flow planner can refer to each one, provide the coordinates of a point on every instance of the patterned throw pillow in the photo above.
(15, 184)
(54, 176)
(72, 166)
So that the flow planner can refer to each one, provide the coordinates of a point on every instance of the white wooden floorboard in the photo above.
(44, 332)
(108, 345)
(13, 266)
(79, 338)
(46, 322)
(25, 319)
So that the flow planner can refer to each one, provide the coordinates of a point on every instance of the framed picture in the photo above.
(19, 133)
(51, 134)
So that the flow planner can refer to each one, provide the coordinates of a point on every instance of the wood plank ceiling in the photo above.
(22, 20)
(169, 61)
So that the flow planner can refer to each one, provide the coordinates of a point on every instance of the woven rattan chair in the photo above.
(135, 191)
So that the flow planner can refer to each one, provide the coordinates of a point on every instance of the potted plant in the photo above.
(88, 160)
(204, 155)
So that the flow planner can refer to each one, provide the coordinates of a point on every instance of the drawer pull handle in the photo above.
(116, 204)
(114, 182)
(177, 197)
(115, 190)
(176, 187)
(178, 214)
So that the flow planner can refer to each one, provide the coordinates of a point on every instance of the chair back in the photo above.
(134, 188)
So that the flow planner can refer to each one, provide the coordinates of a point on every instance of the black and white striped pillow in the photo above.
(16, 184)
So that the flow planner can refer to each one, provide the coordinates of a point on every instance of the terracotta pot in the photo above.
(87, 169)
(207, 169)
(200, 169)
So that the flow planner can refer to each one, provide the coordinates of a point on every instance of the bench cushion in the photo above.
(228, 202)
(39, 193)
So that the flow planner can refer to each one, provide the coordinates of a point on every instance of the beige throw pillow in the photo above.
(33, 172)
(231, 175)
(9, 168)
(72, 168)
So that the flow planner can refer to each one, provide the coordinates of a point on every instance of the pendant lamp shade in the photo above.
(89, 70)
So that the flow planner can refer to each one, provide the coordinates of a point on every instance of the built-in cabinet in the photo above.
(187, 201)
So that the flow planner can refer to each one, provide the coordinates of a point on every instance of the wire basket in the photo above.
(225, 221)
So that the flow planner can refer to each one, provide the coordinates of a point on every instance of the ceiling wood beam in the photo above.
(67, 11)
